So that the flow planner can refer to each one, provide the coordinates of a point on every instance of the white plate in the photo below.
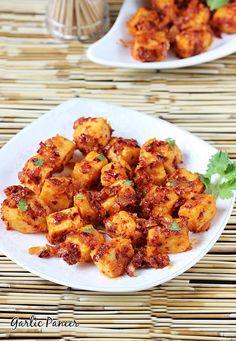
(109, 51)
(126, 123)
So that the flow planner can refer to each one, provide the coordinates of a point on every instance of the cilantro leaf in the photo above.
(88, 229)
(100, 157)
(173, 183)
(215, 4)
(79, 196)
(175, 226)
(218, 163)
(171, 142)
(22, 205)
(38, 162)
(226, 189)
(128, 182)
(224, 172)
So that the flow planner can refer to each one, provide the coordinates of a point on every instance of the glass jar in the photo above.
(83, 20)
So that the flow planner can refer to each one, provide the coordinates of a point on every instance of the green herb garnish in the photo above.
(100, 157)
(128, 182)
(224, 172)
(38, 162)
(171, 142)
(79, 196)
(175, 226)
(88, 229)
(215, 4)
(173, 183)
(22, 205)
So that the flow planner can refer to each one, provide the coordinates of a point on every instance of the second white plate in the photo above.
(110, 51)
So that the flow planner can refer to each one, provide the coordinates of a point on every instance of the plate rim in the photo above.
(115, 289)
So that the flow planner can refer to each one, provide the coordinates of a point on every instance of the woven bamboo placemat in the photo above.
(38, 73)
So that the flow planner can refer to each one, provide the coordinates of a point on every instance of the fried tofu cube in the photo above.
(171, 237)
(51, 157)
(150, 47)
(148, 174)
(144, 20)
(57, 193)
(166, 9)
(167, 152)
(194, 16)
(119, 195)
(113, 256)
(23, 211)
(224, 18)
(91, 134)
(124, 224)
(199, 211)
(87, 172)
(159, 201)
(185, 183)
(120, 149)
(89, 206)
(192, 42)
(60, 224)
(115, 171)
(78, 246)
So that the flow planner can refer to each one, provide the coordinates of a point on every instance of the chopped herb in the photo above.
(100, 157)
(38, 162)
(175, 226)
(22, 205)
(224, 172)
(128, 182)
(88, 229)
(171, 142)
(173, 183)
(79, 196)
(215, 4)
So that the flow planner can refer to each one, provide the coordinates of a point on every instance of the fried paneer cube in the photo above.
(168, 153)
(78, 246)
(148, 174)
(91, 134)
(61, 223)
(159, 201)
(150, 47)
(51, 157)
(166, 10)
(224, 18)
(119, 195)
(57, 193)
(89, 206)
(115, 171)
(75, 249)
(126, 225)
(194, 16)
(192, 42)
(144, 20)
(113, 256)
(23, 211)
(87, 172)
(185, 183)
(120, 149)
(199, 211)
(141, 260)
(170, 237)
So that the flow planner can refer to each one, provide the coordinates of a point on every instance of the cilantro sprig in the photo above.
(215, 4)
(175, 226)
(220, 177)
(22, 205)
(171, 142)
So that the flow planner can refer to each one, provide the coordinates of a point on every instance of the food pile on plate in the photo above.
(186, 27)
(102, 199)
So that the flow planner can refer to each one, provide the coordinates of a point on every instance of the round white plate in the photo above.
(127, 123)
(110, 51)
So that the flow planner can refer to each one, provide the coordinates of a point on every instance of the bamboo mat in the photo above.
(37, 73)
